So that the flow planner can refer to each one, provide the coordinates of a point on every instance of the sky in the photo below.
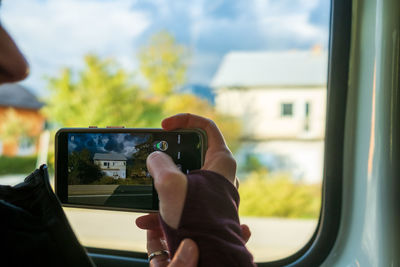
(57, 33)
(119, 143)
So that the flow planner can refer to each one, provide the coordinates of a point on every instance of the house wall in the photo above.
(276, 138)
(260, 111)
(31, 117)
(115, 173)
(112, 164)
(113, 168)
(305, 158)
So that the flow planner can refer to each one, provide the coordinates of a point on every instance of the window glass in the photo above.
(287, 110)
(248, 65)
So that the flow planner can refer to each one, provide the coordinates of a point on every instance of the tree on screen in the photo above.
(81, 168)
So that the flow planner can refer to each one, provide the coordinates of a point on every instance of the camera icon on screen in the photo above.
(160, 145)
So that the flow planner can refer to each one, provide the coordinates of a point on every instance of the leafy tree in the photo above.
(82, 169)
(164, 63)
(101, 94)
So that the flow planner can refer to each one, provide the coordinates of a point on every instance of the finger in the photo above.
(156, 242)
(148, 222)
(245, 232)
(159, 261)
(155, 238)
(187, 120)
(187, 255)
(171, 186)
(13, 65)
(237, 183)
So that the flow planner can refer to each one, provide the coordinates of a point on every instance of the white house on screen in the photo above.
(280, 98)
(111, 164)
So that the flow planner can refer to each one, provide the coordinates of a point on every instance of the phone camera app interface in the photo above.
(161, 145)
(109, 169)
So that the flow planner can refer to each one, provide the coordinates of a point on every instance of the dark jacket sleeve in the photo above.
(210, 218)
(34, 230)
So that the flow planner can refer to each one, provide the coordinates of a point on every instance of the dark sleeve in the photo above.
(210, 218)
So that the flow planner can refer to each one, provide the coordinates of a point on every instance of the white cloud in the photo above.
(280, 20)
(58, 33)
(295, 26)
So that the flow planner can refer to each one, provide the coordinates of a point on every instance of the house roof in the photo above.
(285, 68)
(16, 95)
(109, 156)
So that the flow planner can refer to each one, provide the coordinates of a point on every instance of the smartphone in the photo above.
(105, 168)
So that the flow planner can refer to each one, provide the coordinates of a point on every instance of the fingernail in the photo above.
(186, 251)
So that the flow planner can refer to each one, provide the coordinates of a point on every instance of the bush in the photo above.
(267, 195)
(17, 165)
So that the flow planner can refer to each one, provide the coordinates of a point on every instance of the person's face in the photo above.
(13, 66)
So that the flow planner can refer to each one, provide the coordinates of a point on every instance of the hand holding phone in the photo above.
(105, 168)
(170, 183)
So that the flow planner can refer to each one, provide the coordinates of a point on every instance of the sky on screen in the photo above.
(106, 143)
(57, 33)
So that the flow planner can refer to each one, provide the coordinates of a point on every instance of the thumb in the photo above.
(246, 233)
(171, 186)
(187, 255)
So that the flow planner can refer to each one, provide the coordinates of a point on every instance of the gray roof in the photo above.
(15, 95)
(109, 156)
(285, 68)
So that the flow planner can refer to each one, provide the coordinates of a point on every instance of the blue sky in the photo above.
(57, 33)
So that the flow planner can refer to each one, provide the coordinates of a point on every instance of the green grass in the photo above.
(17, 165)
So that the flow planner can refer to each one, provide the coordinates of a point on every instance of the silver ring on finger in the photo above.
(158, 253)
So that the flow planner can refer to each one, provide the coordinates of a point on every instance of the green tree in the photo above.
(103, 94)
(164, 63)
(82, 169)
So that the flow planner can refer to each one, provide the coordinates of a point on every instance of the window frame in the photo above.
(319, 246)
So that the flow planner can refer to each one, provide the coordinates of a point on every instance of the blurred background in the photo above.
(257, 68)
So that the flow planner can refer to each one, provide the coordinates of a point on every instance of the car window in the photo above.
(257, 68)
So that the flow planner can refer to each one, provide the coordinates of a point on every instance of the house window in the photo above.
(26, 147)
(286, 109)
(307, 117)
(308, 105)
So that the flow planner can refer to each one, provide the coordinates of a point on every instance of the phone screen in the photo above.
(108, 169)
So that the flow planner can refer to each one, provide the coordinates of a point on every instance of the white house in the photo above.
(281, 100)
(111, 164)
